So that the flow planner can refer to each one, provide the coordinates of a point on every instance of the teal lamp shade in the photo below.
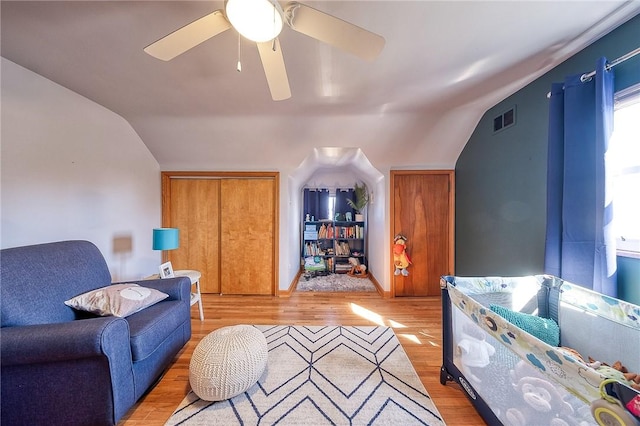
(166, 238)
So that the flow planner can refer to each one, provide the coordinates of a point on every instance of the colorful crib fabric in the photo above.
(564, 369)
(604, 306)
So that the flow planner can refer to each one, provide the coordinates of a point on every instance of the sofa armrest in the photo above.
(59, 364)
(45, 343)
(178, 288)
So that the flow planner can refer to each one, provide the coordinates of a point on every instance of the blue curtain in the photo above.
(342, 207)
(580, 244)
(316, 203)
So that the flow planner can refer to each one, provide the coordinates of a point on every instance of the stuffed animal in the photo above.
(400, 257)
(618, 372)
(540, 404)
(566, 350)
(475, 352)
(520, 409)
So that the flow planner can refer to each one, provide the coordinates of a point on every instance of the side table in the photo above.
(194, 276)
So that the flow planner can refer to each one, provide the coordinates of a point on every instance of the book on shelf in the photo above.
(342, 248)
(312, 249)
(354, 231)
(342, 267)
(310, 235)
(311, 263)
(322, 232)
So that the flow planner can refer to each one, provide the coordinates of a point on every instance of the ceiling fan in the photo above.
(262, 21)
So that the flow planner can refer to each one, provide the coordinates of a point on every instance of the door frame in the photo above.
(451, 218)
(166, 177)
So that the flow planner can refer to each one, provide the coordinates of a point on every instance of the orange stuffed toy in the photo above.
(400, 257)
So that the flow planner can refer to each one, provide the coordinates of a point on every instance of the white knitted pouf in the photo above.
(227, 362)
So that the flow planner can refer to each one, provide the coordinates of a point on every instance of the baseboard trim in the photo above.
(292, 286)
(379, 289)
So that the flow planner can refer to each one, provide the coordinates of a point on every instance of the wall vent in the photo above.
(505, 120)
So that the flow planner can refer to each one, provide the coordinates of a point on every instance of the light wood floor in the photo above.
(416, 321)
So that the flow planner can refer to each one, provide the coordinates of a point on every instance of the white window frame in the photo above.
(627, 247)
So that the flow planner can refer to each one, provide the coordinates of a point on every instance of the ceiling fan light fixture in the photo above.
(256, 20)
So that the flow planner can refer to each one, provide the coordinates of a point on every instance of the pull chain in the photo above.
(239, 66)
(273, 46)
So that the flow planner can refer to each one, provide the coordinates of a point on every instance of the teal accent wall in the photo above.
(629, 279)
(501, 176)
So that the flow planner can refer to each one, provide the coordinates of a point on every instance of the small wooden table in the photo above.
(194, 276)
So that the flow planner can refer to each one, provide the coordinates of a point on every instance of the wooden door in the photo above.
(423, 211)
(195, 211)
(247, 236)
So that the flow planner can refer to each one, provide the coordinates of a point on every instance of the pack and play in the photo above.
(535, 350)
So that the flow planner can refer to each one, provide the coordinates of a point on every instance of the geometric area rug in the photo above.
(319, 375)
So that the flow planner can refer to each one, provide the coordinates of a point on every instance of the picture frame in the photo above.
(166, 270)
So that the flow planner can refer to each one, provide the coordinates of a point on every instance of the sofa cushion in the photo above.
(37, 279)
(150, 327)
(118, 300)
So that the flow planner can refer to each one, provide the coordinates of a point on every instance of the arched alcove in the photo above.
(343, 161)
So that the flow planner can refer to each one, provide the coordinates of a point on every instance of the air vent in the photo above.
(504, 120)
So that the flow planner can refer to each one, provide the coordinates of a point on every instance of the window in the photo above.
(332, 206)
(625, 158)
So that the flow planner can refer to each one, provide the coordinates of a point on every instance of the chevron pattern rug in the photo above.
(324, 375)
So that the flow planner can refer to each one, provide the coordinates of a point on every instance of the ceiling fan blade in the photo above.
(189, 36)
(334, 31)
(274, 69)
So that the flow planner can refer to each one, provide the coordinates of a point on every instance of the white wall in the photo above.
(71, 169)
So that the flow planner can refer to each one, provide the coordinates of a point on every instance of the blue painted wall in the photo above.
(501, 177)
(629, 279)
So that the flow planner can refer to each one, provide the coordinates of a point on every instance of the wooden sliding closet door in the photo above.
(422, 210)
(247, 229)
(228, 228)
(194, 210)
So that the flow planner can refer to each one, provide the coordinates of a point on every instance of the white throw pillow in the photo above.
(119, 300)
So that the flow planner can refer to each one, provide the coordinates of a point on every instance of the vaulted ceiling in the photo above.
(443, 65)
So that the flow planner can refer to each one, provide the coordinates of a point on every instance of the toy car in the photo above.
(619, 406)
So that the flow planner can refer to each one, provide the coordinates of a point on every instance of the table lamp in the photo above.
(166, 239)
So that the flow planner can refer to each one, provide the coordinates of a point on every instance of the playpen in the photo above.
(549, 374)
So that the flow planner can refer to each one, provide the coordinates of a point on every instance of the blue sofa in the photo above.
(61, 366)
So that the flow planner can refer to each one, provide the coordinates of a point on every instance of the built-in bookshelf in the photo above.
(327, 245)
